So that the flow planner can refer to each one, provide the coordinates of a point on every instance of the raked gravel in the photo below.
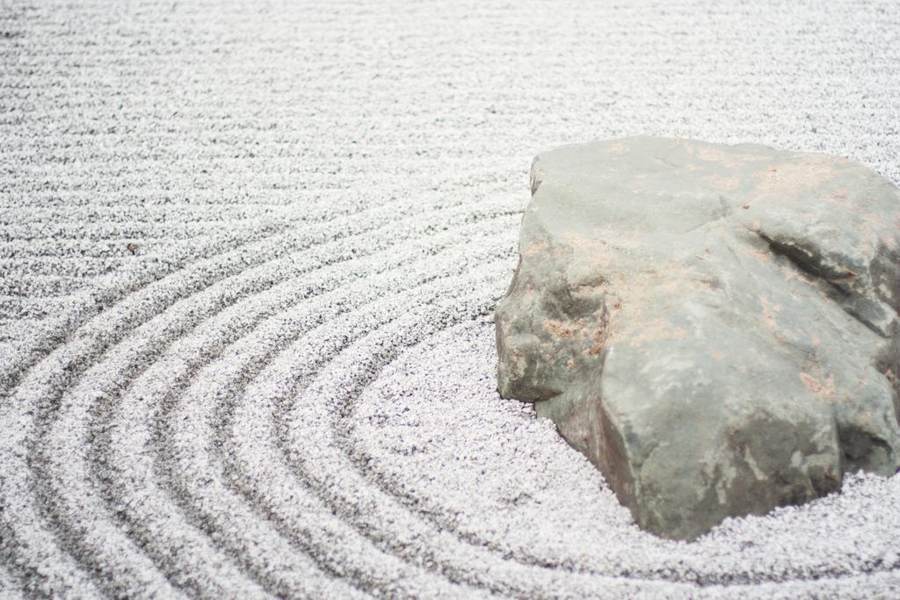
(248, 259)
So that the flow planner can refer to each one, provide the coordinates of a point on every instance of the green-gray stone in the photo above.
(714, 326)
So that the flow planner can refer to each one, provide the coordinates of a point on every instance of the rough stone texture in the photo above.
(714, 326)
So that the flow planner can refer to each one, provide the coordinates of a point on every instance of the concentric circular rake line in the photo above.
(191, 422)
(214, 265)
(29, 549)
(685, 564)
(75, 506)
(84, 267)
(98, 343)
(571, 573)
(223, 376)
(132, 437)
(441, 517)
(62, 365)
(247, 228)
(309, 443)
(366, 464)
(360, 525)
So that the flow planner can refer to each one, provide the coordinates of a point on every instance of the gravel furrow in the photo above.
(248, 257)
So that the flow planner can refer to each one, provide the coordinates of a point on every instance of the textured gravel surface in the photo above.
(249, 254)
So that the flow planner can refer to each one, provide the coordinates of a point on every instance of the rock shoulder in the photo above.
(714, 327)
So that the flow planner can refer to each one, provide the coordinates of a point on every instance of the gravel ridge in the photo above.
(249, 254)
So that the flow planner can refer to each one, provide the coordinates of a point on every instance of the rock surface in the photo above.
(714, 326)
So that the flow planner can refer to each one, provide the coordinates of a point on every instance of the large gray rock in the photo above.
(715, 327)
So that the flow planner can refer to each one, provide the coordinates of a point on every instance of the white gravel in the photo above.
(248, 259)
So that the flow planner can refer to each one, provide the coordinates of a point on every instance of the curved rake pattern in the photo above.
(249, 262)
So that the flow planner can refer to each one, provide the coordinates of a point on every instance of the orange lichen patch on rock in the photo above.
(590, 286)
(559, 329)
(839, 197)
(722, 157)
(617, 148)
(793, 178)
(598, 342)
(597, 250)
(535, 249)
(770, 310)
(822, 388)
(760, 255)
(593, 246)
(595, 338)
(600, 336)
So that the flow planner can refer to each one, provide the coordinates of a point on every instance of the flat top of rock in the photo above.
(629, 200)
(663, 186)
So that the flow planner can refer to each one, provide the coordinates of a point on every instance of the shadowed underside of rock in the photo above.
(714, 326)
